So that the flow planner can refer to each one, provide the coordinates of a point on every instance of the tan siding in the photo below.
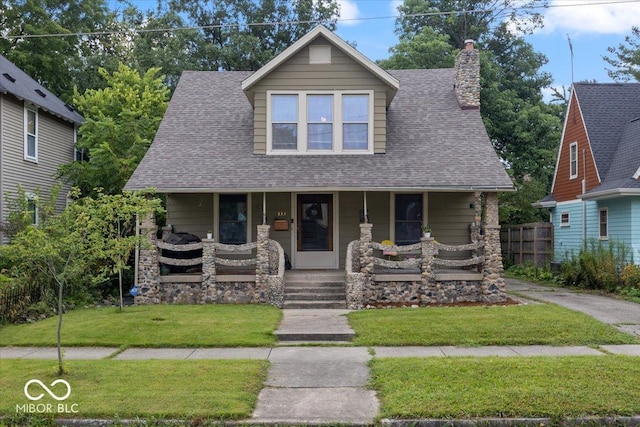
(190, 213)
(565, 188)
(260, 123)
(450, 215)
(342, 74)
(55, 147)
(279, 203)
(351, 203)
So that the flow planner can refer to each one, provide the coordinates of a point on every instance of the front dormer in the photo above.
(320, 96)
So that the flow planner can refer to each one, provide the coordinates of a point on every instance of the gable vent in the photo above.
(320, 54)
(41, 93)
(9, 77)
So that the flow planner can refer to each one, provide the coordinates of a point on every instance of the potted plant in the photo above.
(209, 235)
(426, 230)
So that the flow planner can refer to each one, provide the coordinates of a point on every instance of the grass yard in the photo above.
(507, 387)
(543, 324)
(226, 389)
(153, 326)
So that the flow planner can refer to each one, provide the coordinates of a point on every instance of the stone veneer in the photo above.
(363, 289)
(266, 286)
(467, 79)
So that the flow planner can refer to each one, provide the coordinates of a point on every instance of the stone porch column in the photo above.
(262, 261)
(209, 294)
(493, 281)
(148, 264)
(366, 254)
(428, 274)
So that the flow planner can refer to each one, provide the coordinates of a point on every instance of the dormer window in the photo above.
(320, 122)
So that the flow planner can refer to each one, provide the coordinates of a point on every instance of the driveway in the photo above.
(624, 315)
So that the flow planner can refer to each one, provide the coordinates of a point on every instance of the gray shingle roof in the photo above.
(205, 143)
(24, 87)
(611, 113)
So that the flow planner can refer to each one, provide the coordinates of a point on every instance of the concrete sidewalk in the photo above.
(335, 355)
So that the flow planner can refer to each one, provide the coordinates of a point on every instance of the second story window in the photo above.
(320, 122)
(31, 134)
(573, 160)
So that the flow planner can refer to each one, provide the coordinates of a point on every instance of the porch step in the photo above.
(314, 290)
(314, 304)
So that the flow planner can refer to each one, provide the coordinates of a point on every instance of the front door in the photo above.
(314, 239)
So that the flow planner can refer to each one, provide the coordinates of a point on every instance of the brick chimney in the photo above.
(467, 83)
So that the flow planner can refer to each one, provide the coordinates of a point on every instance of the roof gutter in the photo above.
(610, 194)
(489, 189)
(544, 205)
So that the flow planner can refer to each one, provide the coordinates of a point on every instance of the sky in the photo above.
(592, 26)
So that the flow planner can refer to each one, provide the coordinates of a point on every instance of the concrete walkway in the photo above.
(621, 314)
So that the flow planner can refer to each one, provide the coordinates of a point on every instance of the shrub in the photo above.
(599, 266)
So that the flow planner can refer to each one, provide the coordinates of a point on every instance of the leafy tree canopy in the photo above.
(626, 58)
(121, 121)
(523, 129)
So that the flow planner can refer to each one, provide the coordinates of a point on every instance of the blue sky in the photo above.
(591, 25)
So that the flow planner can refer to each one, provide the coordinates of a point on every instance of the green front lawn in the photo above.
(218, 389)
(541, 324)
(153, 326)
(507, 387)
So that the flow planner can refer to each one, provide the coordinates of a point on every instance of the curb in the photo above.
(633, 421)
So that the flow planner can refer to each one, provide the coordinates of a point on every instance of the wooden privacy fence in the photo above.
(527, 243)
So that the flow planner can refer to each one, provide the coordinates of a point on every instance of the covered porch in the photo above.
(375, 237)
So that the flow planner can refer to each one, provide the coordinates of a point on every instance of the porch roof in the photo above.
(205, 144)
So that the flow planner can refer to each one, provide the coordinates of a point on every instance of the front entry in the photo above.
(314, 237)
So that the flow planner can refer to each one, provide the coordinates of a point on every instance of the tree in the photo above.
(57, 63)
(426, 49)
(121, 121)
(523, 129)
(78, 246)
(244, 34)
(466, 19)
(626, 59)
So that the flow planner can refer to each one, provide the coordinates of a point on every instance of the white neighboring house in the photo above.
(37, 135)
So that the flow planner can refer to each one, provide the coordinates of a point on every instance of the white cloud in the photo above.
(394, 6)
(598, 18)
(348, 12)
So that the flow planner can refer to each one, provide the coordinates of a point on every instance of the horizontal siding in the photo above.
(190, 213)
(635, 228)
(566, 189)
(568, 239)
(449, 216)
(55, 148)
(297, 74)
(277, 203)
(351, 203)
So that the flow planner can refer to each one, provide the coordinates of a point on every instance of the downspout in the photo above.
(584, 206)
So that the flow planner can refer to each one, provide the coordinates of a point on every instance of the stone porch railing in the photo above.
(424, 279)
(266, 285)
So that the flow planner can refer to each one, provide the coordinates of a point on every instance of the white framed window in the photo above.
(564, 219)
(573, 160)
(603, 221)
(79, 154)
(320, 122)
(31, 134)
(32, 208)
